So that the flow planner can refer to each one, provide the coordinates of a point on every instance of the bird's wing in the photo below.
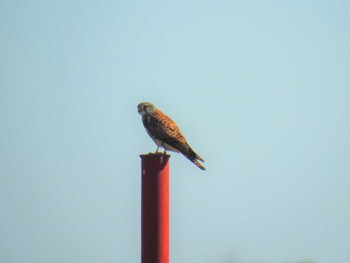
(163, 128)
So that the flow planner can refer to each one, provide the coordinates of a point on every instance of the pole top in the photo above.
(154, 155)
(155, 159)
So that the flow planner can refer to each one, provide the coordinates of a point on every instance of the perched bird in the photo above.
(165, 133)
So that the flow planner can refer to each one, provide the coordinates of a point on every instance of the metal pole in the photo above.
(155, 208)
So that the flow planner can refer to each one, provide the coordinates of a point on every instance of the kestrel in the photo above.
(165, 133)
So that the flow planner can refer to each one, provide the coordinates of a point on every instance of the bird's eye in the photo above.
(145, 107)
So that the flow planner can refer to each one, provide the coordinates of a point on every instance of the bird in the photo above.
(165, 133)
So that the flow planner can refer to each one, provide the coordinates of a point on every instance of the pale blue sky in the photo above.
(260, 89)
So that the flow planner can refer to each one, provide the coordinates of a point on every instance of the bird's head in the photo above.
(146, 108)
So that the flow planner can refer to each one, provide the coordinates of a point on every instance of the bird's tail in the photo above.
(193, 157)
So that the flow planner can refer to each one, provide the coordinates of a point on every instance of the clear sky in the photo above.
(260, 90)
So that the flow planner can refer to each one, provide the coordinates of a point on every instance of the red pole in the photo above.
(155, 208)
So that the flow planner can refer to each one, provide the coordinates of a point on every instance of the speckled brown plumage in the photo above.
(165, 133)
